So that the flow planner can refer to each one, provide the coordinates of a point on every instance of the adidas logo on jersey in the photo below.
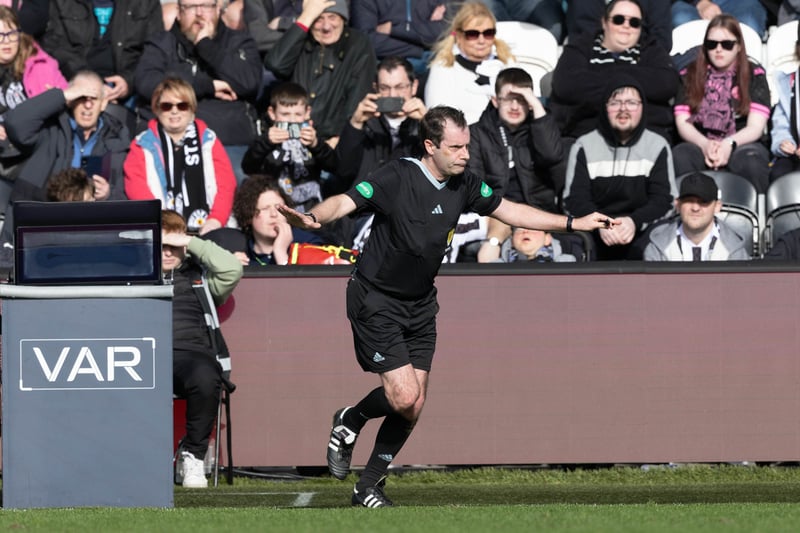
(378, 358)
(437, 210)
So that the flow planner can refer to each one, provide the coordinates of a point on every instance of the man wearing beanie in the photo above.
(333, 62)
(697, 234)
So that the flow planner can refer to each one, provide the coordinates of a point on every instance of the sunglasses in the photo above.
(167, 106)
(472, 35)
(727, 44)
(619, 20)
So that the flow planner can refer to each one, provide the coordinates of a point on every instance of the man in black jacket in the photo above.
(515, 142)
(60, 130)
(222, 65)
(105, 37)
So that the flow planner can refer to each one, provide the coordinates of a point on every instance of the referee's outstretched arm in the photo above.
(331, 209)
(525, 216)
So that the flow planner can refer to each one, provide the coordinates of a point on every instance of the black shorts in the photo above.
(388, 332)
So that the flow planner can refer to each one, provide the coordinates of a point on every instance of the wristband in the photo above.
(570, 218)
(312, 216)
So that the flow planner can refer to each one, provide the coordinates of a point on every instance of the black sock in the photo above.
(373, 405)
(391, 437)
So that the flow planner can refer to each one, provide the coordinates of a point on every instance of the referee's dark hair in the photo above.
(431, 127)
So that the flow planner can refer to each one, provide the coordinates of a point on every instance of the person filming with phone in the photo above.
(290, 149)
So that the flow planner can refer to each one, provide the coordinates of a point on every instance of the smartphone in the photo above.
(94, 165)
(390, 104)
(292, 127)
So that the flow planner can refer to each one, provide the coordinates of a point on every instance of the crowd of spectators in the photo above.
(184, 100)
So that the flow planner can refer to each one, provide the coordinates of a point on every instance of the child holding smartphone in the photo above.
(290, 149)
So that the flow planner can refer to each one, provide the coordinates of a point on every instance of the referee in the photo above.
(391, 298)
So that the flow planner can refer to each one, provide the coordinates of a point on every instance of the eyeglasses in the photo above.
(619, 20)
(472, 35)
(396, 88)
(10, 36)
(727, 44)
(167, 106)
(627, 104)
(198, 7)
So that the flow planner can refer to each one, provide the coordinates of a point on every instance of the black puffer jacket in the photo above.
(73, 27)
(536, 146)
(230, 56)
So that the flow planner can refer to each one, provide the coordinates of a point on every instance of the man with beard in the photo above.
(222, 66)
(623, 169)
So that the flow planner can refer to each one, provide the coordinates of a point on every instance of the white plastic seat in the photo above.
(780, 54)
(535, 48)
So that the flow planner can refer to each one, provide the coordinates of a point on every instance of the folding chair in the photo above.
(782, 207)
(739, 206)
(534, 47)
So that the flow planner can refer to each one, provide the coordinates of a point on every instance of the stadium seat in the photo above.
(780, 54)
(739, 206)
(534, 47)
(782, 207)
(688, 35)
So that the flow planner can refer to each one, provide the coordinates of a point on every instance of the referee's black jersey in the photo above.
(415, 219)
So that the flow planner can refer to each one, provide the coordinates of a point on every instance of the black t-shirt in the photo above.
(415, 219)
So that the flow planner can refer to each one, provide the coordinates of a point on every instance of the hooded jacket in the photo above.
(578, 85)
(336, 77)
(535, 145)
(634, 179)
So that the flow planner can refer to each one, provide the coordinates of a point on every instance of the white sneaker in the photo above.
(192, 471)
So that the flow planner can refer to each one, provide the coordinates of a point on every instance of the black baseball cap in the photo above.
(700, 185)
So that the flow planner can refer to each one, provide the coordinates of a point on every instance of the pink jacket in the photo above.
(42, 73)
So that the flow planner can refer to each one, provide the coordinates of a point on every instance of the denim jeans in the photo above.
(749, 12)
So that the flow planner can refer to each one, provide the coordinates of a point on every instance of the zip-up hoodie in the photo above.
(635, 178)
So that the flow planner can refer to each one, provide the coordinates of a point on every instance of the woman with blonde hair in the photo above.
(181, 162)
(466, 62)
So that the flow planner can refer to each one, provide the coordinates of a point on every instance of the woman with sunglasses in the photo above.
(178, 160)
(466, 62)
(589, 61)
(25, 71)
(723, 107)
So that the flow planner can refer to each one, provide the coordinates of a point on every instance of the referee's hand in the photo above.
(298, 219)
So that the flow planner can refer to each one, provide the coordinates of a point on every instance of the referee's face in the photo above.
(451, 156)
